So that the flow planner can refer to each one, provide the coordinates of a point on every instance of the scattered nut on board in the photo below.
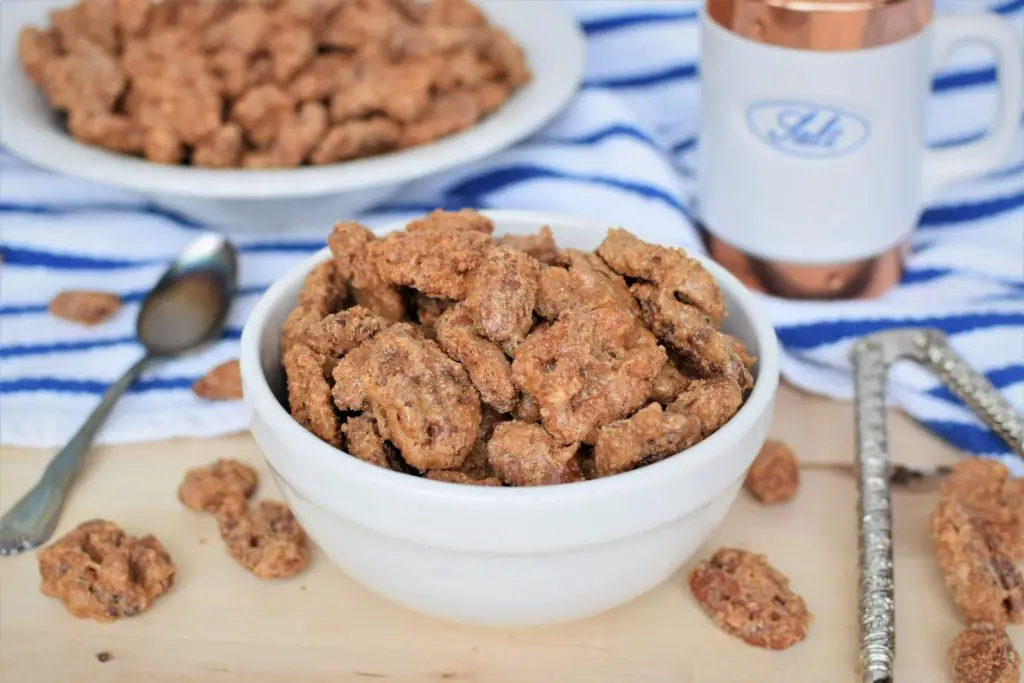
(266, 539)
(974, 538)
(774, 477)
(223, 383)
(749, 599)
(206, 488)
(84, 307)
(99, 572)
(982, 653)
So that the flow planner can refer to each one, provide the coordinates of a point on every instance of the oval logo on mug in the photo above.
(805, 129)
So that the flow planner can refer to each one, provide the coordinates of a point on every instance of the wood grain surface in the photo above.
(219, 624)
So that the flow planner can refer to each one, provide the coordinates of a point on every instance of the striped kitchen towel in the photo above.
(638, 105)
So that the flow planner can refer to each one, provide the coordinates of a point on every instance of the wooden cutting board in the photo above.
(219, 624)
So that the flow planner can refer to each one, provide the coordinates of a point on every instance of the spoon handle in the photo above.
(33, 519)
(874, 507)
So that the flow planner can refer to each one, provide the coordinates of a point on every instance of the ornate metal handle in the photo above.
(933, 351)
(874, 507)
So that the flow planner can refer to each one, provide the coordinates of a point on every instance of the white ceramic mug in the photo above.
(813, 165)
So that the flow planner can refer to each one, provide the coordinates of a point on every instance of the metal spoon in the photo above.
(185, 310)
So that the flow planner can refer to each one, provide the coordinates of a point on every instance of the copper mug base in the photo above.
(867, 279)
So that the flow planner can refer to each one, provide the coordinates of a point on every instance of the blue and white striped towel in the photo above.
(638, 105)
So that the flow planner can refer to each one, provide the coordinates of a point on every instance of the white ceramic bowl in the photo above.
(261, 201)
(506, 556)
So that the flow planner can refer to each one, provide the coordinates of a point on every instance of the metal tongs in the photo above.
(872, 356)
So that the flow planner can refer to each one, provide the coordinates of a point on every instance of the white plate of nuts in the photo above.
(252, 116)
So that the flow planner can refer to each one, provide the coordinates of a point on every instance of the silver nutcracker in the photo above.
(871, 358)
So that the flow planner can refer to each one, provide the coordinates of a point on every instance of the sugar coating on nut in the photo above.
(222, 383)
(587, 369)
(99, 572)
(266, 540)
(774, 475)
(648, 436)
(224, 84)
(470, 359)
(422, 400)
(523, 454)
(986, 489)
(205, 489)
(749, 599)
(84, 307)
(489, 370)
(364, 441)
(983, 580)
(983, 654)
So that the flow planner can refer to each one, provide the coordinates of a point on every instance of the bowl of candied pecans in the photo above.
(508, 418)
(255, 115)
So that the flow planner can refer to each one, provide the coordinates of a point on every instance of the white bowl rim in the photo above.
(57, 151)
(322, 456)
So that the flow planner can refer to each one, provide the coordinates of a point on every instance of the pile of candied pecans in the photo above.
(270, 83)
(442, 351)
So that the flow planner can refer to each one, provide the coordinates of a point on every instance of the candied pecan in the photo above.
(364, 441)
(464, 70)
(523, 454)
(205, 489)
(162, 146)
(262, 112)
(456, 477)
(323, 292)
(489, 370)
(167, 55)
(297, 136)
(422, 400)
(110, 131)
(436, 262)
(311, 12)
(326, 75)
(131, 16)
(454, 13)
(587, 369)
(447, 114)
(87, 308)
(338, 333)
(669, 384)
(501, 295)
(309, 394)
(748, 598)
(775, 474)
(243, 31)
(648, 436)
(362, 24)
(688, 330)
(86, 22)
(87, 79)
(99, 572)
(540, 245)
(266, 540)
(986, 489)
(291, 45)
(349, 244)
(223, 383)
(527, 410)
(712, 401)
(588, 283)
(491, 95)
(983, 654)
(983, 580)
(503, 52)
(356, 139)
(230, 69)
(37, 49)
(684, 278)
(463, 219)
(220, 149)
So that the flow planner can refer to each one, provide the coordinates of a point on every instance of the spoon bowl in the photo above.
(189, 304)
